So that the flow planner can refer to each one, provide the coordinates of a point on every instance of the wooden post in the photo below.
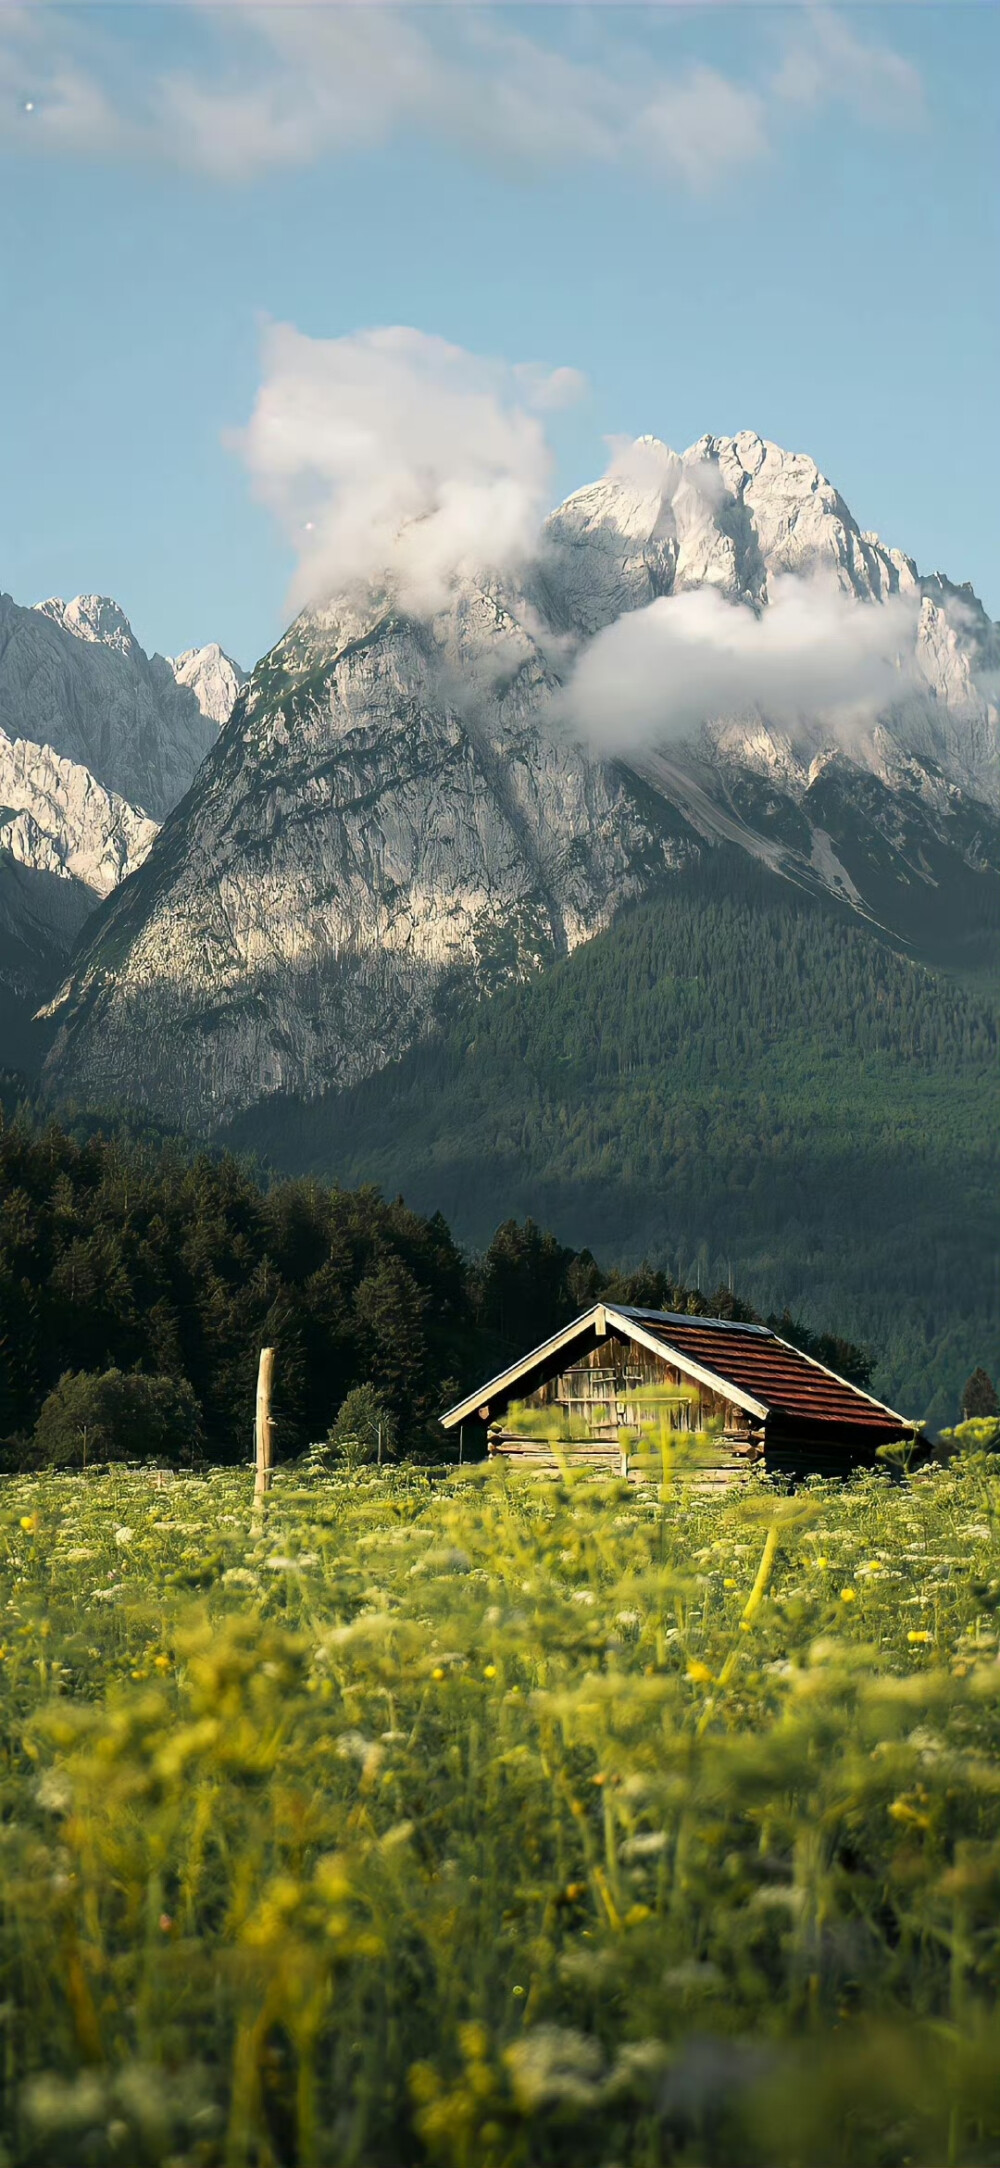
(265, 1374)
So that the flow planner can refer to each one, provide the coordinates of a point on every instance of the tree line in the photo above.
(138, 1282)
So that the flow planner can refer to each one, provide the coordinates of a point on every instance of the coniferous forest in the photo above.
(735, 1081)
(161, 1274)
(734, 1100)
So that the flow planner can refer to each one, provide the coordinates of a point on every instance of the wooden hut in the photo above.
(596, 1385)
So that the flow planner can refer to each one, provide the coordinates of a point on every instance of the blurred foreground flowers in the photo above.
(500, 1823)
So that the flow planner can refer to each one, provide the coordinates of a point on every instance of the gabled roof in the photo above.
(749, 1365)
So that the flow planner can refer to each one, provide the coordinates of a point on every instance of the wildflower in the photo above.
(29, 1522)
(848, 1595)
(490, 1671)
(698, 1673)
(921, 1634)
(123, 1536)
(438, 1672)
(902, 1811)
(161, 1663)
(822, 1561)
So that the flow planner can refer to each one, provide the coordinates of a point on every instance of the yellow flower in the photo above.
(873, 1565)
(698, 1673)
(161, 1663)
(848, 1595)
(902, 1811)
(729, 1584)
(29, 1522)
(490, 1671)
(822, 1561)
(437, 1672)
(920, 1635)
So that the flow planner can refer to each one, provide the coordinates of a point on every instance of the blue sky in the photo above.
(781, 218)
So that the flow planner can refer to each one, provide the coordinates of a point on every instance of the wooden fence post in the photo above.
(265, 1374)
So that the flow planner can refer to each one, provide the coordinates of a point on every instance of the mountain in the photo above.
(214, 678)
(74, 677)
(397, 815)
(92, 733)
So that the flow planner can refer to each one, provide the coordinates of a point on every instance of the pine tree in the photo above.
(979, 1395)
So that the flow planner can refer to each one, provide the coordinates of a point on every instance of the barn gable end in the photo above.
(763, 1401)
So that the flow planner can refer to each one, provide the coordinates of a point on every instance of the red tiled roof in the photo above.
(784, 1381)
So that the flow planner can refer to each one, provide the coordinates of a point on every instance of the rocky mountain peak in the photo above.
(395, 810)
(73, 677)
(92, 617)
(214, 678)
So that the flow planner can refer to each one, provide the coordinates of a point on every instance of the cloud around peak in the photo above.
(400, 464)
(812, 655)
(395, 460)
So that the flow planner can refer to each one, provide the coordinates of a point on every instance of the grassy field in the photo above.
(496, 1822)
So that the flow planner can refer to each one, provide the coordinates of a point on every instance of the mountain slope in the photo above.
(398, 810)
(734, 1081)
(383, 812)
(56, 818)
(92, 730)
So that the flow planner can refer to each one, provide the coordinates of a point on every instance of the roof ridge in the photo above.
(687, 1317)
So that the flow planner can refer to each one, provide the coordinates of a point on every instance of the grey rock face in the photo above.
(383, 812)
(73, 677)
(92, 731)
(394, 811)
(56, 819)
(214, 678)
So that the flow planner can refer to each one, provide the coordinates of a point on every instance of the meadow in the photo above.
(499, 1822)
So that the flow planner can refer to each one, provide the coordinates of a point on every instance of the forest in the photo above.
(165, 1270)
(736, 1081)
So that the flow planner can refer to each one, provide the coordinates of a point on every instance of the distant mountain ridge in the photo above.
(392, 815)
(97, 741)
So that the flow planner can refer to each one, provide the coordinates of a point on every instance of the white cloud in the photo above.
(394, 459)
(701, 125)
(812, 655)
(282, 86)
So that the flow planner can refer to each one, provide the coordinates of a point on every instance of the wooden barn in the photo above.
(596, 1384)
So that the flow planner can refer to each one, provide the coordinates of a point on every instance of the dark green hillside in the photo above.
(735, 1082)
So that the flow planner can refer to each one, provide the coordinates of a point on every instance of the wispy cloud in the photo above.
(826, 62)
(282, 86)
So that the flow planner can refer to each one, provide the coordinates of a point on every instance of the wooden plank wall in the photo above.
(600, 1389)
